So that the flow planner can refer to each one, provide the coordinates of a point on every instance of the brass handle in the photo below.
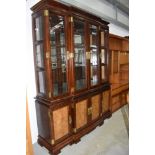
(90, 110)
(70, 120)
(88, 55)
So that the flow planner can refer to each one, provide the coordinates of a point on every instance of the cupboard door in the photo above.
(95, 101)
(94, 55)
(58, 44)
(80, 55)
(81, 114)
(105, 101)
(61, 120)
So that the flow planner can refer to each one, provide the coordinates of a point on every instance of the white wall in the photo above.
(31, 77)
(31, 89)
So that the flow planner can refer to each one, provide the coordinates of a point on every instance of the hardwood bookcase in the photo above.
(71, 58)
(119, 74)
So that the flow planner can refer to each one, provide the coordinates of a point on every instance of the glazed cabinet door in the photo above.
(94, 55)
(58, 54)
(39, 55)
(61, 123)
(79, 49)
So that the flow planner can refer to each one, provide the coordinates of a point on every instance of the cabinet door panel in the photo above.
(79, 51)
(81, 114)
(95, 106)
(60, 122)
(94, 60)
(58, 54)
(105, 100)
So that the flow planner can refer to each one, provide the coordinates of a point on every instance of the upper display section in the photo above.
(70, 50)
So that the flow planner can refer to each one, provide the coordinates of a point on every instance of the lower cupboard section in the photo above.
(66, 122)
(120, 99)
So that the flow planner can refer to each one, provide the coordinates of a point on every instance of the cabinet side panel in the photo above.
(81, 113)
(95, 106)
(60, 122)
(43, 121)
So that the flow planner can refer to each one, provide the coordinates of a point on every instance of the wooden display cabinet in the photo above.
(119, 75)
(71, 61)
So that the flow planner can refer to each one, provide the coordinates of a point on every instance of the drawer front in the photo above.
(81, 114)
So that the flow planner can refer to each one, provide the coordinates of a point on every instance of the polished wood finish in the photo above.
(105, 101)
(119, 75)
(95, 106)
(81, 114)
(60, 122)
(72, 73)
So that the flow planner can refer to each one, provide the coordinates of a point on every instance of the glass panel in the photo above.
(93, 36)
(58, 55)
(39, 56)
(102, 38)
(57, 30)
(94, 55)
(39, 28)
(41, 76)
(79, 59)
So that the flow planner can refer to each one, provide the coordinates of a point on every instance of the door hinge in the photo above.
(72, 90)
(49, 94)
(70, 55)
(88, 55)
(52, 141)
(47, 55)
(46, 13)
(49, 114)
(70, 120)
(90, 110)
(71, 19)
(74, 130)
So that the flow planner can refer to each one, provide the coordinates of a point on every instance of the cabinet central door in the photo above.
(94, 59)
(79, 51)
(58, 54)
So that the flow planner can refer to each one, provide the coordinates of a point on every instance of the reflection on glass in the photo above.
(103, 72)
(39, 28)
(41, 76)
(94, 55)
(102, 56)
(79, 59)
(58, 55)
(93, 36)
(102, 38)
(39, 56)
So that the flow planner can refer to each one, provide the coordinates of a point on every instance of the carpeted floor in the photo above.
(109, 139)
